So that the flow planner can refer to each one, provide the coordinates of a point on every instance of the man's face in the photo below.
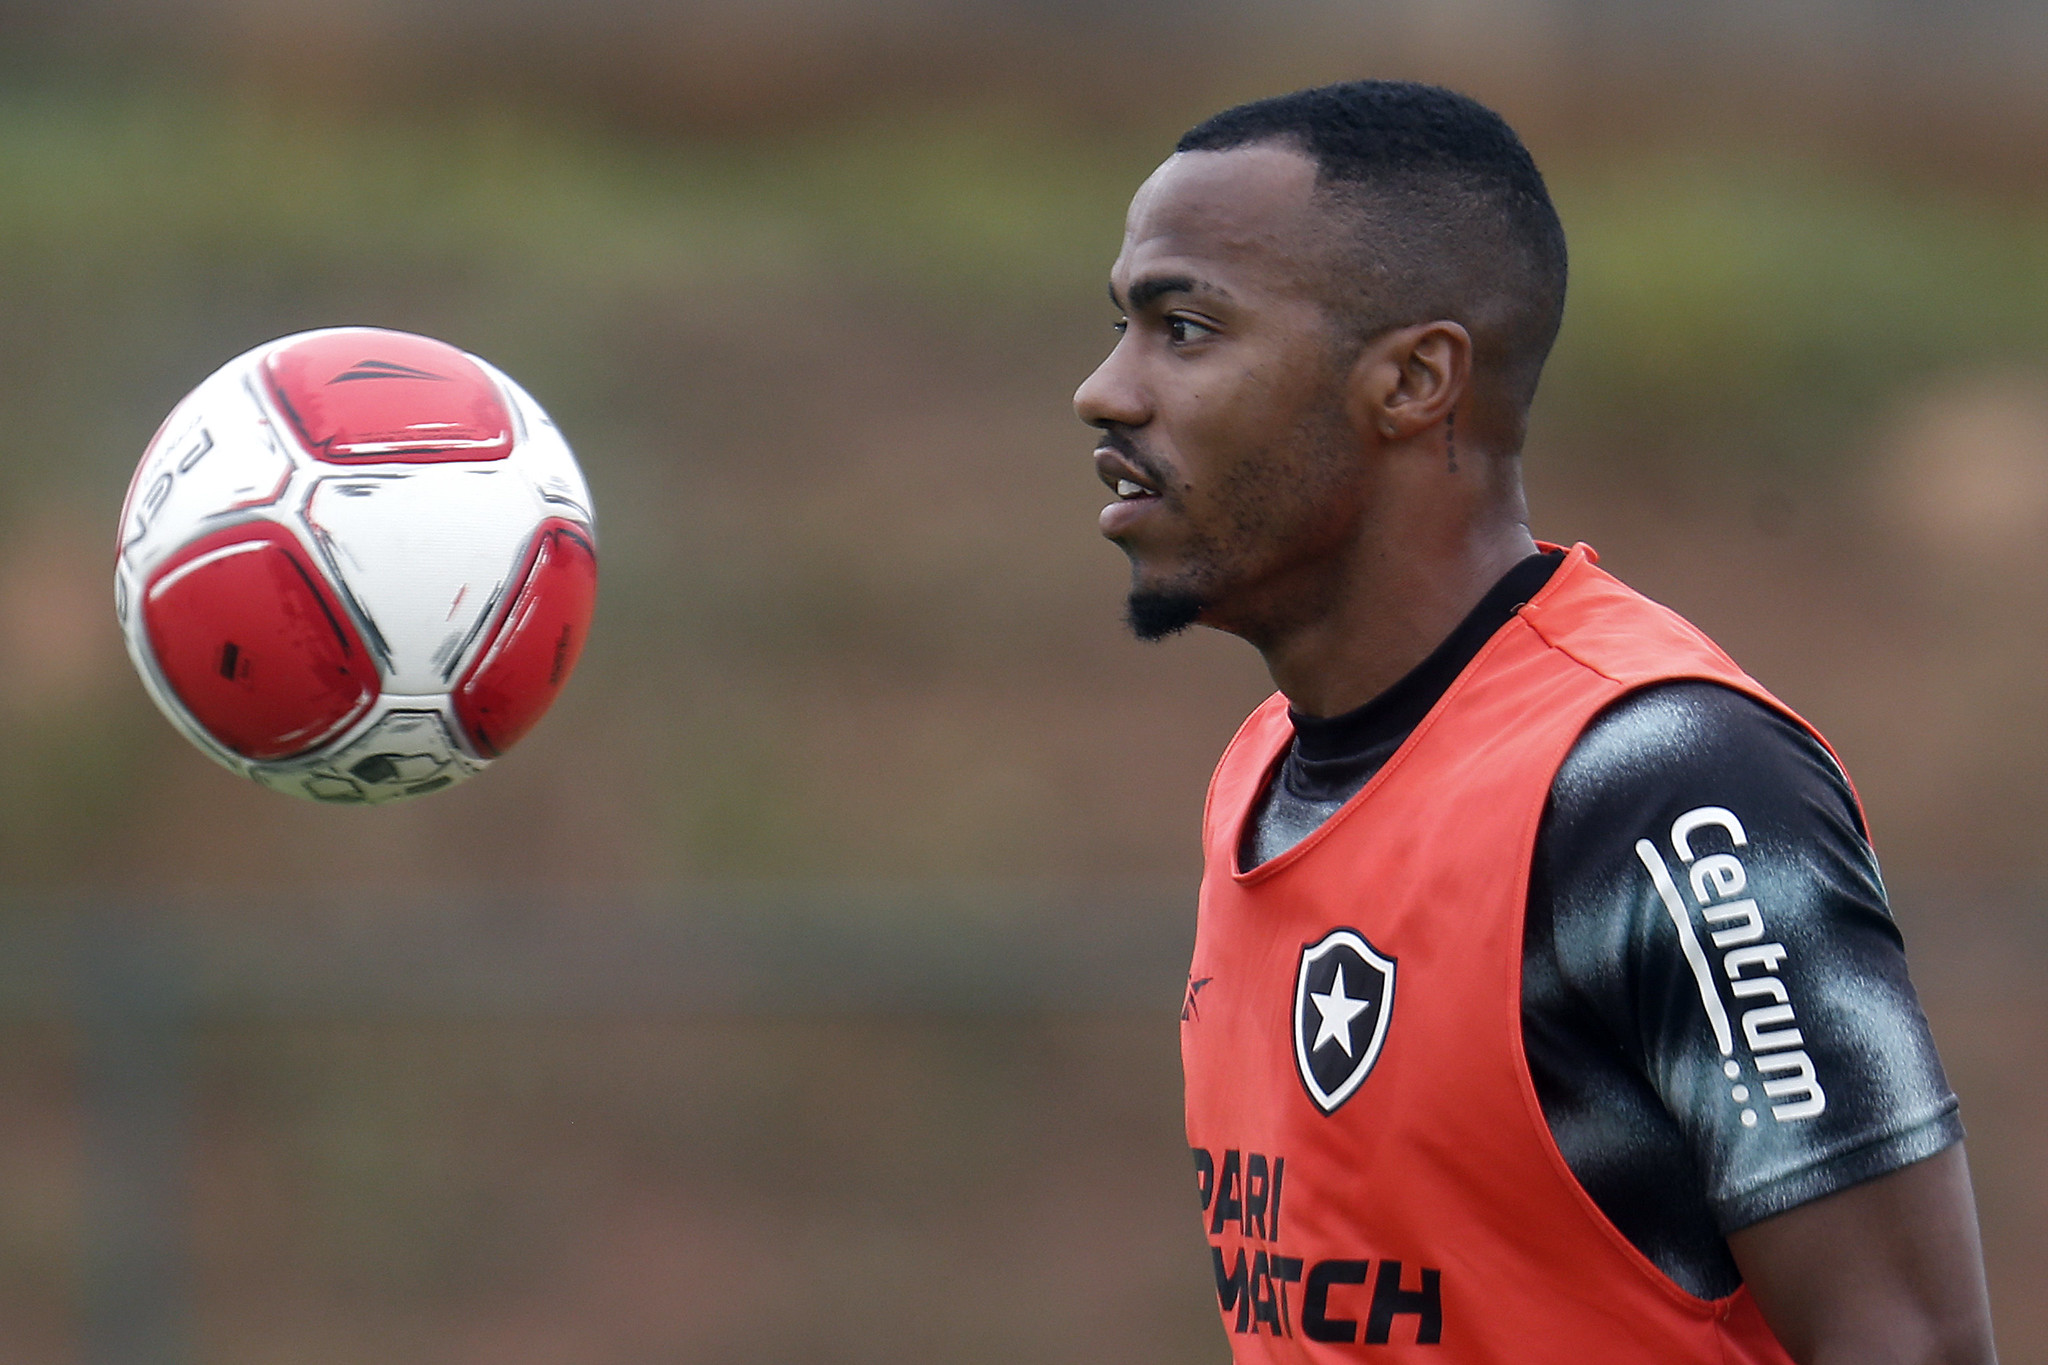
(1225, 433)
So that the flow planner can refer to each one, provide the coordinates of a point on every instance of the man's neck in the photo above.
(1394, 610)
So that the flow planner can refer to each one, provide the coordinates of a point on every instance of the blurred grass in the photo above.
(763, 349)
(814, 657)
(1721, 290)
(116, 188)
(1731, 290)
(147, 235)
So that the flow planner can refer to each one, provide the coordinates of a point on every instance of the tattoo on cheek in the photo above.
(1451, 438)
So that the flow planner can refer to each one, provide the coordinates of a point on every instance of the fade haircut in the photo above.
(1439, 211)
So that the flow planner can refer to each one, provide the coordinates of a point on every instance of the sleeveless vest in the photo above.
(1377, 1179)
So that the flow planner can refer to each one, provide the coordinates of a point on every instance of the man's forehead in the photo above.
(1229, 207)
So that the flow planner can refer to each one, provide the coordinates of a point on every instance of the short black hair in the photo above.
(1448, 215)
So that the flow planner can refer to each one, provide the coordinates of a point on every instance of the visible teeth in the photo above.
(1125, 488)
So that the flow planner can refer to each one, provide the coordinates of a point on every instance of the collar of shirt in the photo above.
(1328, 750)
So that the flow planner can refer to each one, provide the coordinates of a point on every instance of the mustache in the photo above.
(1118, 437)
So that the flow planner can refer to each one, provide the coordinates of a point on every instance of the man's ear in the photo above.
(1408, 380)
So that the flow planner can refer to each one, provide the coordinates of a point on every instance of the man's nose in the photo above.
(1112, 394)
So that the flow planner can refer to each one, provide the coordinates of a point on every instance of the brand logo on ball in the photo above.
(384, 369)
(1343, 998)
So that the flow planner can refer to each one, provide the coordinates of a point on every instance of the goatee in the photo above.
(1154, 614)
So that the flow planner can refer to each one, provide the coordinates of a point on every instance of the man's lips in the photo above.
(1135, 491)
(1121, 476)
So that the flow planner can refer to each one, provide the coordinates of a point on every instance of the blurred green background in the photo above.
(804, 987)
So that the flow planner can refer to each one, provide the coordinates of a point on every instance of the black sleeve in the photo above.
(1708, 934)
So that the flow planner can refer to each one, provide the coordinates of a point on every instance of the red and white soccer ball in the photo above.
(356, 565)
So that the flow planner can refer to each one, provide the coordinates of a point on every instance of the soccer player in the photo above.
(1545, 1005)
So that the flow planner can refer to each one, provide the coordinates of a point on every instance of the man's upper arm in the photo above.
(1717, 905)
(1887, 1272)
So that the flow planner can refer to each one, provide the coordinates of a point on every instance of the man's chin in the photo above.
(1155, 613)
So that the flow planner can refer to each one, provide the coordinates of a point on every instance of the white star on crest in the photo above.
(1338, 1010)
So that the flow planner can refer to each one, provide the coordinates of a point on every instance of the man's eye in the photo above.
(1183, 330)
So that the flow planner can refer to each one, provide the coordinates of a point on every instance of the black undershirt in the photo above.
(1620, 1049)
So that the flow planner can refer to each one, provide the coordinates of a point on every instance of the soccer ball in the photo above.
(356, 565)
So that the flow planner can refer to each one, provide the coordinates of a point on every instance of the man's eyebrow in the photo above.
(1147, 291)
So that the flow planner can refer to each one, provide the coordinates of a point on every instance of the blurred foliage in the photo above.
(146, 235)
(129, 214)
(119, 189)
(818, 378)
(855, 621)
(1711, 291)
(1707, 289)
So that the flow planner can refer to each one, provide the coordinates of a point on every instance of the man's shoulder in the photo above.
(1591, 616)
(1671, 741)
